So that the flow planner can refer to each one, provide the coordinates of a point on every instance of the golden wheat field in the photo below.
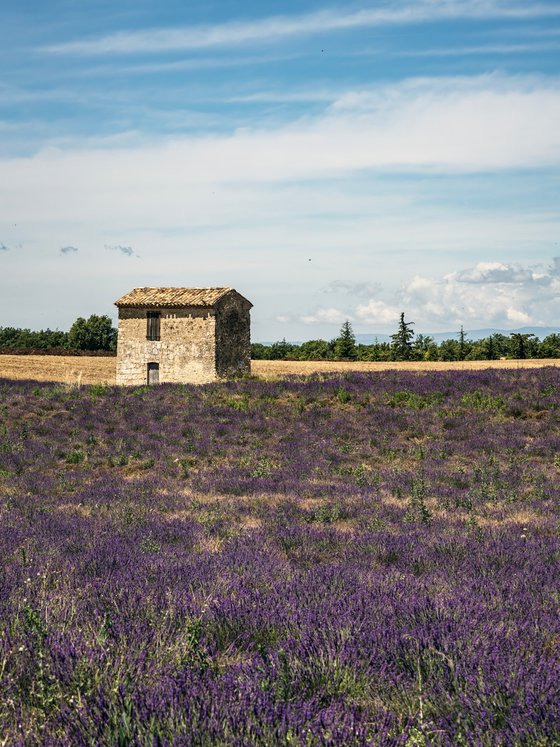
(78, 370)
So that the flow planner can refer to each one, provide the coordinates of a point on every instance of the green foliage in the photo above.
(98, 390)
(259, 351)
(95, 333)
(478, 400)
(403, 349)
(316, 350)
(328, 513)
(550, 347)
(522, 346)
(186, 464)
(75, 456)
(263, 468)
(343, 395)
(240, 403)
(462, 344)
(405, 346)
(406, 398)
(450, 350)
(417, 509)
(345, 343)
(425, 348)
(12, 337)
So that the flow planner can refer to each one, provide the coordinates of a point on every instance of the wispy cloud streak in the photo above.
(483, 49)
(280, 27)
(126, 250)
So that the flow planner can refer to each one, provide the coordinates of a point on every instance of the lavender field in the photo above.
(357, 559)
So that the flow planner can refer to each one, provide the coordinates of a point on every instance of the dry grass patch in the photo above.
(67, 369)
(278, 369)
(77, 370)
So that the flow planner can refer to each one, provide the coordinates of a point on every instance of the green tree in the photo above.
(450, 350)
(463, 345)
(259, 351)
(425, 348)
(491, 348)
(315, 350)
(401, 341)
(377, 351)
(550, 346)
(95, 333)
(521, 345)
(281, 350)
(345, 344)
(13, 337)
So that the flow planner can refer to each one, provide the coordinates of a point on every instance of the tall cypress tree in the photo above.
(462, 344)
(345, 344)
(401, 341)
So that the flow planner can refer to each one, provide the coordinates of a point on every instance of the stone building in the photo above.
(186, 335)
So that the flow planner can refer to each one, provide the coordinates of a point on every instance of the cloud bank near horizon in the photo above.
(511, 295)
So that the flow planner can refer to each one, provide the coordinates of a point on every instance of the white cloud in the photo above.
(250, 208)
(520, 317)
(270, 29)
(359, 290)
(281, 97)
(485, 124)
(489, 293)
(483, 49)
(378, 312)
(498, 272)
(328, 316)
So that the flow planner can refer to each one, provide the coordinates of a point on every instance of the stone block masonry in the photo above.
(197, 343)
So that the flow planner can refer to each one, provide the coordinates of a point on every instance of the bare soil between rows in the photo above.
(77, 370)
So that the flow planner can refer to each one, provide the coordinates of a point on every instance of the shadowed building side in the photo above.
(182, 335)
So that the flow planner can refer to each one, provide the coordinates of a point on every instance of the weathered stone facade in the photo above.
(204, 335)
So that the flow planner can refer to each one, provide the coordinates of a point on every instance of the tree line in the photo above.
(406, 346)
(95, 334)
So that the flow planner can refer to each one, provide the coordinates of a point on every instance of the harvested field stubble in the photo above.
(270, 369)
(93, 370)
(353, 559)
(67, 369)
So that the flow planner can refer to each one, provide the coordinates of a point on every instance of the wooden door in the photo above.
(153, 373)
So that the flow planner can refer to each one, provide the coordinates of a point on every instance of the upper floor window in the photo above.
(153, 325)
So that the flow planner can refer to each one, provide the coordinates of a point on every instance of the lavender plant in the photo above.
(264, 563)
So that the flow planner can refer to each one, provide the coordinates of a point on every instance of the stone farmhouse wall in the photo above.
(233, 338)
(196, 345)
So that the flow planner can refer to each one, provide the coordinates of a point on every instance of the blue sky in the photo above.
(330, 161)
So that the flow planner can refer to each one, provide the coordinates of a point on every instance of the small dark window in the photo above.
(153, 325)
(153, 373)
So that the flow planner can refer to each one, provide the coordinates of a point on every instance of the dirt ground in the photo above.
(76, 370)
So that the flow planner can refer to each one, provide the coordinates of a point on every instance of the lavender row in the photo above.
(358, 560)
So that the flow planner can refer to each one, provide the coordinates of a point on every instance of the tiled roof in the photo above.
(173, 297)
